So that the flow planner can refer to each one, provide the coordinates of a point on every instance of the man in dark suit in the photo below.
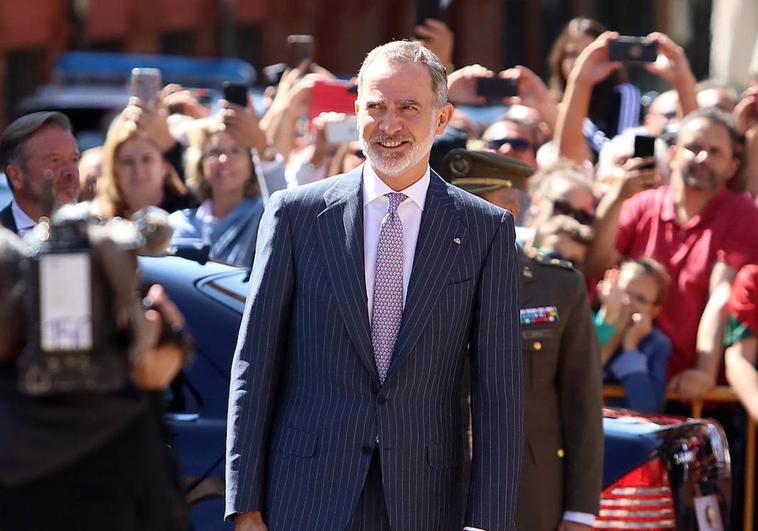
(38, 150)
(366, 291)
(561, 472)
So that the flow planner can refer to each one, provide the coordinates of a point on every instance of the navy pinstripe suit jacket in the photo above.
(305, 404)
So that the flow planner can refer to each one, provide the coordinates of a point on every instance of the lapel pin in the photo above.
(457, 240)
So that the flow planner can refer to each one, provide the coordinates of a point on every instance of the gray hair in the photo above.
(410, 52)
(17, 133)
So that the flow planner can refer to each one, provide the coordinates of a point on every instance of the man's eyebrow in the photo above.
(409, 102)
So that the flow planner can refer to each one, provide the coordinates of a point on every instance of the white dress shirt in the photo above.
(375, 205)
(23, 222)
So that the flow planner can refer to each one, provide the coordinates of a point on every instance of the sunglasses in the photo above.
(517, 144)
(563, 208)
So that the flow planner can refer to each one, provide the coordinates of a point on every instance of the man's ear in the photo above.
(445, 114)
(15, 176)
(734, 166)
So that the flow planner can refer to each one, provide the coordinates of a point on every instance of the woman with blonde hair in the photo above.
(135, 174)
(221, 173)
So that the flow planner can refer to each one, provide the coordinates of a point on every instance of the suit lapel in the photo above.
(340, 230)
(436, 254)
(7, 220)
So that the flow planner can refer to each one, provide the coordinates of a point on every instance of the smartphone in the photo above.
(300, 49)
(145, 84)
(332, 96)
(436, 9)
(273, 73)
(342, 131)
(644, 147)
(496, 88)
(633, 50)
(235, 93)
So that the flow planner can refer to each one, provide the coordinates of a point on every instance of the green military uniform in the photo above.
(562, 461)
(562, 466)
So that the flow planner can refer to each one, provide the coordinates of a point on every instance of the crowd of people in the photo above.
(665, 240)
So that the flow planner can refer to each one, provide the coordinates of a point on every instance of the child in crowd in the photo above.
(634, 351)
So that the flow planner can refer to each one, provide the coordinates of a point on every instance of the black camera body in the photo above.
(633, 50)
(74, 343)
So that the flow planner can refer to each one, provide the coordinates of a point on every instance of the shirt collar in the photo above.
(23, 221)
(668, 209)
(205, 211)
(374, 187)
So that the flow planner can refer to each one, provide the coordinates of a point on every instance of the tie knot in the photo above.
(395, 199)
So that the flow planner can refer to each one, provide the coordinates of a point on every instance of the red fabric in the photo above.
(743, 302)
(726, 231)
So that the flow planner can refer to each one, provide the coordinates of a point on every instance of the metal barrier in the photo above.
(719, 394)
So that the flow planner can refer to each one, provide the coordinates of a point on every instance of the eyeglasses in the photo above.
(563, 208)
(517, 144)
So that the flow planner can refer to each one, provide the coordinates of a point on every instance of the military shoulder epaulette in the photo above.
(542, 258)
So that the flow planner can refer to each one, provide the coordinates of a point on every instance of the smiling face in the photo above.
(397, 120)
(226, 166)
(50, 149)
(703, 158)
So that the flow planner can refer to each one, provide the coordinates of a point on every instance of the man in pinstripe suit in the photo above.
(366, 292)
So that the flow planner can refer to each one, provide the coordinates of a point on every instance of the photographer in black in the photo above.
(74, 456)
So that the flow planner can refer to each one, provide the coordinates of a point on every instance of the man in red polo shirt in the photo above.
(699, 229)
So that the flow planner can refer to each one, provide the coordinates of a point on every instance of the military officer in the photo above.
(561, 473)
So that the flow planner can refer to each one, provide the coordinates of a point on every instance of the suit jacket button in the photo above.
(382, 400)
(537, 345)
(560, 453)
(367, 450)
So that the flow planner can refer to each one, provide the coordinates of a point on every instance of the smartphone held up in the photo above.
(145, 84)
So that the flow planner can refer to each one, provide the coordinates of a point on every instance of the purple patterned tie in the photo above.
(388, 287)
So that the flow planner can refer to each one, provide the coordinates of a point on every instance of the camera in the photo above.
(81, 306)
(633, 50)
(496, 88)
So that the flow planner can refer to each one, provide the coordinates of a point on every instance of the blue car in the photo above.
(660, 472)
